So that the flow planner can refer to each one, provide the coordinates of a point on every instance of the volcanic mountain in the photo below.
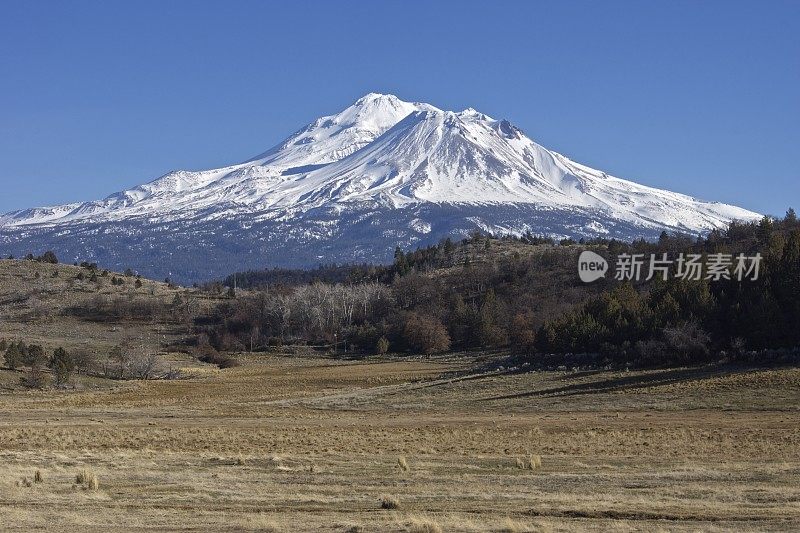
(350, 187)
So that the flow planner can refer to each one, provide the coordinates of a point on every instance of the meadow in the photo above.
(290, 442)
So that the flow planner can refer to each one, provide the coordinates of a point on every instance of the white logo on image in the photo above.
(591, 266)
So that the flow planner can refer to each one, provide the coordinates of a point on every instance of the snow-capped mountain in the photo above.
(350, 187)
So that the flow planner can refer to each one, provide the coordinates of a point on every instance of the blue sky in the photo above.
(697, 97)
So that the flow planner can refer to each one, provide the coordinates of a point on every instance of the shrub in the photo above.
(382, 345)
(144, 364)
(207, 354)
(425, 334)
(13, 356)
(687, 341)
(390, 502)
(34, 355)
(48, 257)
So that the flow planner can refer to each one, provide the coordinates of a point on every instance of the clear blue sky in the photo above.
(702, 97)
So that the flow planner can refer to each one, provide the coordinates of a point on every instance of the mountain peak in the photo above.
(371, 164)
(333, 137)
(371, 97)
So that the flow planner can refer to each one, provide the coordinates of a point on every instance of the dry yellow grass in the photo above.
(402, 463)
(321, 439)
(390, 503)
(87, 479)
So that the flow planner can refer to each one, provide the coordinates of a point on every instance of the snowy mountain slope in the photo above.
(380, 159)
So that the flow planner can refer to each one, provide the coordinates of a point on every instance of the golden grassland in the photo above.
(300, 441)
(309, 443)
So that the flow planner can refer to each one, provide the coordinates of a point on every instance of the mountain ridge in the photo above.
(383, 159)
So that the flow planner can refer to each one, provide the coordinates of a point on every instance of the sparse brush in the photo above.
(403, 464)
(37, 477)
(88, 479)
(240, 461)
(535, 461)
(390, 502)
(532, 462)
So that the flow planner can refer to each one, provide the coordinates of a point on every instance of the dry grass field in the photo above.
(290, 443)
(299, 441)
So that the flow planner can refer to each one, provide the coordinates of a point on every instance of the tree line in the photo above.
(522, 294)
(684, 321)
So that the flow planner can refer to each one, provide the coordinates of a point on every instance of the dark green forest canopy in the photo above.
(523, 294)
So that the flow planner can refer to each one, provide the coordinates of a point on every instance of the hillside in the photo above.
(89, 312)
(524, 295)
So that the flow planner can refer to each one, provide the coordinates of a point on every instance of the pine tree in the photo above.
(401, 263)
(34, 355)
(13, 356)
(62, 365)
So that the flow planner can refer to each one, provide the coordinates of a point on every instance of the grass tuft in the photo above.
(403, 464)
(87, 479)
(532, 462)
(390, 502)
